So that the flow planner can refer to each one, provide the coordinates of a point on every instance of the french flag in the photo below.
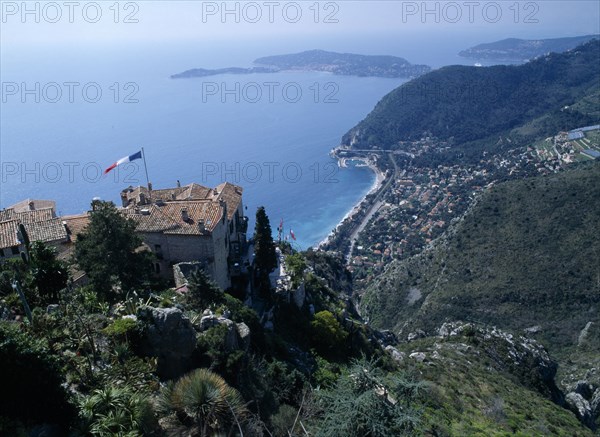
(125, 160)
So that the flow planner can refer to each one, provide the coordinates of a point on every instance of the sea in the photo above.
(70, 111)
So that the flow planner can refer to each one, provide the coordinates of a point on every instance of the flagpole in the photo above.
(146, 168)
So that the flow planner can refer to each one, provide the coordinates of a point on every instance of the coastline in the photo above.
(377, 183)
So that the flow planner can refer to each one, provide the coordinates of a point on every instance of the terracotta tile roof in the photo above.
(8, 234)
(46, 231)
(232, 195)
(168, 218)
(37, 215)
(76, 223)
(24, 205)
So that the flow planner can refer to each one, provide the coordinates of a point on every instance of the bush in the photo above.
(328, 336)
(32, 389)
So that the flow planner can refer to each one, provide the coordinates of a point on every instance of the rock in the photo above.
(170, 337)
(226, 314)
(231, 337)
(130, 317)
(209, 321)
(580, 407)
(269, 325)
(595, 404)
(533, 329)
(244, 335)
(584, 333)
(419, 357)
(52, 308)
(311, 309)
(396, 354)
(299, 295)
(386, 337)
(419, 333)
(584, 388)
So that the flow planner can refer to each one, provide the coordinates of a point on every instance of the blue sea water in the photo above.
(270, 133)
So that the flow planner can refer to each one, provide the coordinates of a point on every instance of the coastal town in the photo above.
(413, 202)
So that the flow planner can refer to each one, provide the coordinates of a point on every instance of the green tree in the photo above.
(201, 404)
(365, 402)
(265, 258)
(108, 251)
(296, 265)
(48, 274)
(202, 292)
(329, 337)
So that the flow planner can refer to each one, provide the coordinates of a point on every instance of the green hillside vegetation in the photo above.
(525, 256)
(522, 49)
(471, 106)
(472, 394)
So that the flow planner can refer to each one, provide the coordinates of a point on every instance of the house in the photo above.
(40, 221)
(191, 223)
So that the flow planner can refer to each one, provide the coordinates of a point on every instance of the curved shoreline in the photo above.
(377, 183)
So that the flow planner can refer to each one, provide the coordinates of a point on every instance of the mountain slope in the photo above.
(526, 255)
(345, 64)
(515, 49)
(468, 104)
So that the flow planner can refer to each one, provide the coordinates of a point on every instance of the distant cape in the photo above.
(343, 64)
(522, 50)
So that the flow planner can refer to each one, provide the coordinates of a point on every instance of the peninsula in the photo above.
(522, 50)
(343, 64)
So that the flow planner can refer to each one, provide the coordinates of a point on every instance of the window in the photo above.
(15, 250)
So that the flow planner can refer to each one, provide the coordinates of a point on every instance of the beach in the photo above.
(377, 183)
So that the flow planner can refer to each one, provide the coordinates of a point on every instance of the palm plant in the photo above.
(116, 411)
(201, 404)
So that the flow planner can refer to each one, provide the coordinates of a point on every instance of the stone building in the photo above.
(41, 224)
(191, 223)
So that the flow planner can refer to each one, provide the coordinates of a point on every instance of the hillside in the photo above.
(525, 255)
(345, 64)
(522, 50)
(472, 104)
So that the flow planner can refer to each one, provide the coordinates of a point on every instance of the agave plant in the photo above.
(201, 404)
(115, 411)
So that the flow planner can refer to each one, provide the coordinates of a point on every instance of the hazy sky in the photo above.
(75, 22)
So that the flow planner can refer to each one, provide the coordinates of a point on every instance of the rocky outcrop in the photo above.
(583, 398)
(521, 356)
(396, 354)
(237, 335)
(169, 336)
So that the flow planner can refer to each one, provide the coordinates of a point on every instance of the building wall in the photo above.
(210, 249)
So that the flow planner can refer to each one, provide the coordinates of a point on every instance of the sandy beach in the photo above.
(379, 178)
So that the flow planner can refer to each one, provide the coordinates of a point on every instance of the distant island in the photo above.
(343, 64)
(522, 50)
